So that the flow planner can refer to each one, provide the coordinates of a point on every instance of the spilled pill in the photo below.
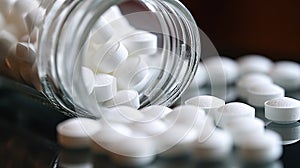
(283, 110)
(156, 111)
(254, 63)
(88, 78)
(124, 98)
(260, 93)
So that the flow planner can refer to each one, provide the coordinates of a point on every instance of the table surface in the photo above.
(28, 139)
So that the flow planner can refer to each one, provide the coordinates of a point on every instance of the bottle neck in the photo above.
(62, 48)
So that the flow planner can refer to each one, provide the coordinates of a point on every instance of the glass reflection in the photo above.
(290, 133)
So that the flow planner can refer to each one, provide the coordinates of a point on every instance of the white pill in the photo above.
(88, 78)
(221, 70)
(254, 63)
(124, 98)
(7, 41)
(260, 148)
(244, 126)
(250, 79)
(131, 73)
(187, 115)
(140, 42)
(260, 93)
(156, 111)
(122, 114)
(231, 111)
(76, 132)
(147, 129)
(24, 6)
(176, 141)
(109, 135)
(290, 133)
(212, 145)
(34, 18)
(286, 74)
(200, 77)
(26, 52)
(108, 57)
(103, 32)
(105, 87)
(206, 102)
(133, 152)
(283, 110)
(120, 24)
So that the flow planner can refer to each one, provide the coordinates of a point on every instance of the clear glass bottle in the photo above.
(60, 47)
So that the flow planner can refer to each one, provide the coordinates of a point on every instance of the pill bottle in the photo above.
(59, 47)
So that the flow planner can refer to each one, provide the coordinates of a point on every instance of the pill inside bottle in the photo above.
(69, 46)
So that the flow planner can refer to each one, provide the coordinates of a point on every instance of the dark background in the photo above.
(237, 27)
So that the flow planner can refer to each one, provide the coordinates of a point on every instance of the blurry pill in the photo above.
(221, 70)
(24, 6)
(2, 21)
(260, 93)
(148, 128)
(132, 152)
(26, 52)
(131, 73)
(286, 74)
(34, 18)
(105, 87)
(103, 32)
(250, 79)
(254, 63)
(260, 148)
(156, 111)
(124, 98)
(231, 111)
(283, 110)
(140, 42)
(88, 78)
(187, 115)
(109, 135)
(176, 141)
(244, 126)
(122, 114)
(7, 41)
(206, 102)
(290, 133)
(76, 132)
(5, 6)
(212, 145)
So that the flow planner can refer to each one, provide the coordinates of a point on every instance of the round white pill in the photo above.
(188, 115)
(156, 112)
(109, 135)
(212, 145)
(131, 73)
(244, 126)
(133, 152)
(147, 129)
(34, 19)
(250, 79)
(206, 102)
(176, 141)
(283, 110)
(286, 74)
(221, 70)
(88, 78)
(260, 93)
(105, 87)
(76, 132)
(260, 148)
(24, 6)
(124, 98)
(254, 63)
(290, 133)
(140, 42)
(231, 111)
(122, 114)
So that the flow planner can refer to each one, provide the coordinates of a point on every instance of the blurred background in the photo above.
(238, 27)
